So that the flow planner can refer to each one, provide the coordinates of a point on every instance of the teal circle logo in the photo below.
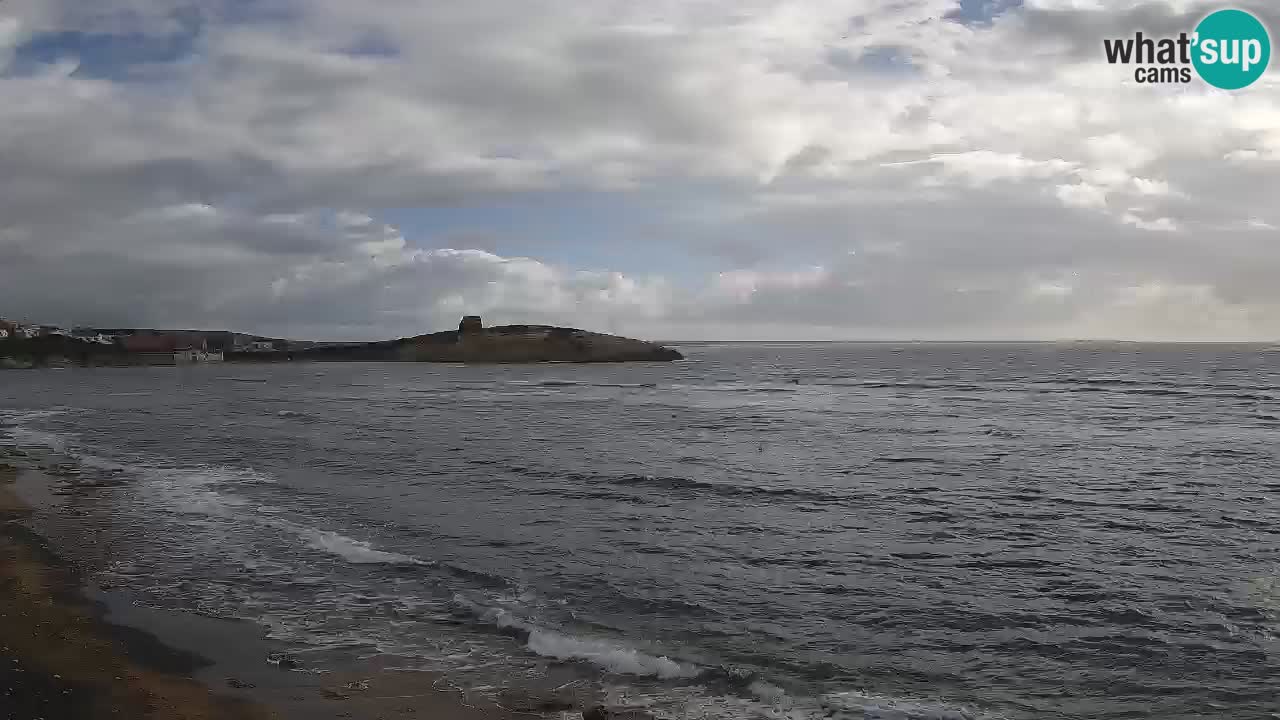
(1232, 49)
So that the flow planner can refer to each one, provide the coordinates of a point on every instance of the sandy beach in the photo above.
(71, 652)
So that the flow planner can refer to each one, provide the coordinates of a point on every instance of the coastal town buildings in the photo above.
(169, 349)
(116, 346)
(92, 336)
(17, 330)
(250, 345)
(27, 331)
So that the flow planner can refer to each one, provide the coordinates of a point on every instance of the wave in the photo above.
(734, 693)
(578, 383)
(675, 482)
(17, 417)
(15, 426)
(603, 654)
(197, 498)
(662, 482)
(1157, 389)
(852, 381)
(22, 435)
(1117, 386)
(479, 576)
(194, 491)
(744, 389)
(955, 387)
(874, 706)
(350, 549)
(620, 660)
(1118, 382)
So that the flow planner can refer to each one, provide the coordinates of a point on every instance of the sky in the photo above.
(670, 169)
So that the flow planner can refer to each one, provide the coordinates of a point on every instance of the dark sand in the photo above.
(68, 652)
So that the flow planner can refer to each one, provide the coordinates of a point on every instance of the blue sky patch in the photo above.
(982, 12)
(582, 229)
(102, 55)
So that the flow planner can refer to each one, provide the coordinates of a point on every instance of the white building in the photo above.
(93, 337)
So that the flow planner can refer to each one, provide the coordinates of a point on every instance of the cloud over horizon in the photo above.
(763, 169)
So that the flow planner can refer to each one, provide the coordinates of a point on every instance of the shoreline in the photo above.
(64, 661)
(71, 651)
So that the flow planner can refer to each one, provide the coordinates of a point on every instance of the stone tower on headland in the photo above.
(472, 342)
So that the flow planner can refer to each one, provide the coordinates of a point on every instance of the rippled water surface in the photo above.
(771, 530)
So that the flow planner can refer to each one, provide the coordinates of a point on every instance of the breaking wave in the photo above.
(603, 654)
(195, 490)
(350, 549)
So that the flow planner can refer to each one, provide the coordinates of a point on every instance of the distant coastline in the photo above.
(24, 347)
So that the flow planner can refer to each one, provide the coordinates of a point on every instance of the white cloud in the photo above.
(1160, 224)
(1082, 195)
(741, 285)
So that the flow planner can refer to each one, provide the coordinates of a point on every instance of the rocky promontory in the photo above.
(474, 343)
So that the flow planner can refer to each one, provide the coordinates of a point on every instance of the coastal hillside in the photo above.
(531, 343)
(44, 346)
(474, 343)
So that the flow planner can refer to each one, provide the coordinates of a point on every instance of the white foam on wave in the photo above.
(26, 436)
(876, 707)
(202, 490)
(187, 491)
(626, 661)
(768, 702)
(198, 490)
(764, 701)
(767, 692)
(22, 416)
(601, 653)
(350, 549)
(195, 497)
(15, 425)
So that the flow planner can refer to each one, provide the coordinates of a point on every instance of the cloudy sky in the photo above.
(678, 169)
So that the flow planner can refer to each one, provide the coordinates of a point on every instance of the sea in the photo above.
(909, 531)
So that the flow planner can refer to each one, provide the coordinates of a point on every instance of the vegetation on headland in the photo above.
(471, 343)
(502, 344)
(58, 351)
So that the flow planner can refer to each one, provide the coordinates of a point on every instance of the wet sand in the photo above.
(71, 652)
